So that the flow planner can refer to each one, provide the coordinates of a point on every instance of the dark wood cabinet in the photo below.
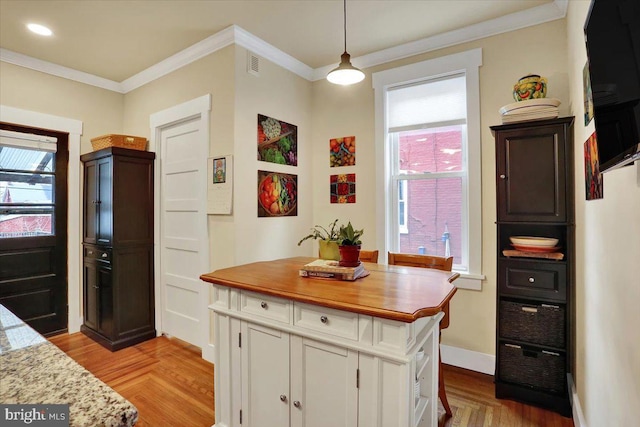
(535, 309)
(118, 247)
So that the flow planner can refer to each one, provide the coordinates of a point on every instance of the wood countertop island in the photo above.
(390, 292)
(303, 351)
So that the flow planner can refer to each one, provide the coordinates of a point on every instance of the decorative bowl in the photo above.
(540, 242)
(530, 87)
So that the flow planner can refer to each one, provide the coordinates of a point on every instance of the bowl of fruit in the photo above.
(277, 194)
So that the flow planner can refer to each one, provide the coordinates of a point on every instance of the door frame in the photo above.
(195, 108)
(74, 208)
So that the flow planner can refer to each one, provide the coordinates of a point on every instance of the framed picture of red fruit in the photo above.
(277, 141)
(277, 194)
(342, 151)
(343, 188)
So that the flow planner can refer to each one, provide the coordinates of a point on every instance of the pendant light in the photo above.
(345, 74)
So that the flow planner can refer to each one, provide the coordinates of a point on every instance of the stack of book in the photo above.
(330, 269)
(530, 109)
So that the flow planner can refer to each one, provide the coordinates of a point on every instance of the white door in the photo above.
(183, 230)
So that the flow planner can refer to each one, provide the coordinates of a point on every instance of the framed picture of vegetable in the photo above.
(277, 141)
(342, 188)
(277, 194)
(342, 151)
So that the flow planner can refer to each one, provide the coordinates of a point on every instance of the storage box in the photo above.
(535, 368)
(542, 324)
(122, 141)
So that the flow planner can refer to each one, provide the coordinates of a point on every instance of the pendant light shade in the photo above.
(345, 73)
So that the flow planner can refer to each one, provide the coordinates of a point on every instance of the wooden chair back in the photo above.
(425, 261)
(369, 256)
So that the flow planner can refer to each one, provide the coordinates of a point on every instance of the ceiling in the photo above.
(117, 39)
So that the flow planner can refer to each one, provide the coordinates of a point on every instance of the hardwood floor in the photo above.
(170, 384)
(165, 378)
(472, 398)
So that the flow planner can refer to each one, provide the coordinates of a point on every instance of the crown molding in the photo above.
(260, 47)
(236, 35)
(512, 22)
(58, 70)
(205, 47)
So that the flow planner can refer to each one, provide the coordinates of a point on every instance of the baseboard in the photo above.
(468, 359)
(578, 416)
(208, 353)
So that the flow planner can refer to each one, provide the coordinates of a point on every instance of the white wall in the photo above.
(608, 272)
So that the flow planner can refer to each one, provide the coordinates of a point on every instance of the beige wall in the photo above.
(99, 110)
(340, 111)
(280, 94)
(213, 74)
(608, 278)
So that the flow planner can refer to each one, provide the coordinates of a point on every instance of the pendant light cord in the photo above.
(345, 25)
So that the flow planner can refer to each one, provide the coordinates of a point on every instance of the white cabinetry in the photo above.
(283, 363)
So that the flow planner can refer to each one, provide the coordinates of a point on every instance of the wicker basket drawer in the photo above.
(534, 368)
(541, 324)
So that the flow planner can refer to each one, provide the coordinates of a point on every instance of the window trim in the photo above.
(467, 62)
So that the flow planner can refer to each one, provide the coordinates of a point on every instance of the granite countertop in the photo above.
(34, 371)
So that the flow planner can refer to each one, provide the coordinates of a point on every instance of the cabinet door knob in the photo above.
(104, 255)
(263, 305)
(324, 319)
(297, 404)
(283, 398)
(531, 280)
(90, 252)
(503, 176)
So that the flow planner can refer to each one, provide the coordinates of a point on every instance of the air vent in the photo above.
(253, 64)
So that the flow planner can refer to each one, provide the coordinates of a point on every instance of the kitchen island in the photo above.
(299, 351)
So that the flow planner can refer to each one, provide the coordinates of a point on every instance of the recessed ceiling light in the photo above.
(39, 29)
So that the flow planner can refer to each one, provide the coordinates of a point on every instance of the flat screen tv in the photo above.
(612, 36)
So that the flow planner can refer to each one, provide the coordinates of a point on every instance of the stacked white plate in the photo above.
(534, 244)
(530, 109)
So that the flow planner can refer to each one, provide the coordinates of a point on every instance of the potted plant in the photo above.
(349, 245)
(327, 239)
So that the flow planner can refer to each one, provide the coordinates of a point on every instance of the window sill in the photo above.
(469, 281)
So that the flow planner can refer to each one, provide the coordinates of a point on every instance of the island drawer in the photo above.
(266, 306)
(326, 320)
(546, 280)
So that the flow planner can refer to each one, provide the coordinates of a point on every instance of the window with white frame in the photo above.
(428, 134)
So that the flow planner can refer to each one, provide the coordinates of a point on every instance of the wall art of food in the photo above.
(342, 151)
(277, 141)
(343, 188)
(277, 194)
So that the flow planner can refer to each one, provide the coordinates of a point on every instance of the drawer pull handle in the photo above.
(283, 398)
(550, 353)
(297, 404)
(264, 305)
(90, 252)
(512, 346)
(324, 319)
(531, 280)
(530, 309)
(104, 255)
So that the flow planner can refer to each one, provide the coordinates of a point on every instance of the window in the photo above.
(27, 177)
(428, 132)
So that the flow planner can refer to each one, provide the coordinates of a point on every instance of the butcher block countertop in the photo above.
(391, 292)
